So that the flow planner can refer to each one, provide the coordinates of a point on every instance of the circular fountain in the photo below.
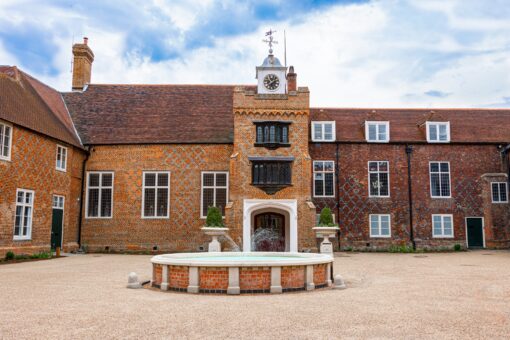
(241, 272)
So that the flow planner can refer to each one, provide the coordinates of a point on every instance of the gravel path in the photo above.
(414, 296)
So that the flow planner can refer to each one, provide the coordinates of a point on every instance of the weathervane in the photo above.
(270, 41)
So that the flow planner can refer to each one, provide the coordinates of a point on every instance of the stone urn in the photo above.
(326, 232)
(214, 232)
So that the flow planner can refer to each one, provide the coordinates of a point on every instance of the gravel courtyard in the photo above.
(452, 295)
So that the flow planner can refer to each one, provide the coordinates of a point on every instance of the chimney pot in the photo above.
(291, 80)
(85, 40)
(82, 65)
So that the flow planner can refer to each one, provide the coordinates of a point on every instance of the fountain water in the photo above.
(267, 239)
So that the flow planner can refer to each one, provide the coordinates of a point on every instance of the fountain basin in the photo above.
(241, 272)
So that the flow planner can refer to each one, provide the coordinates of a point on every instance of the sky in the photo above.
(350, 53)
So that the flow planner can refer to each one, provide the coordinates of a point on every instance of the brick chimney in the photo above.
(82, 65)
(291, 80)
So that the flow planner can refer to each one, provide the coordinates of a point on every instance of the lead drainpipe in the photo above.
(409, 151)
(83, 180)
(337, 198)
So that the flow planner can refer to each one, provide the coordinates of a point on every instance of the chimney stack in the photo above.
(82, 65)
(291, 80)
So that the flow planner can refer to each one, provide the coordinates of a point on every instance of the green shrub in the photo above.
(9, 256)
(214, 219)
(21, 257)
(326, 218)
(457, 247)
(41, 255)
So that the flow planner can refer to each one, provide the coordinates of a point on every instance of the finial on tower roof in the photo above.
(270, 40)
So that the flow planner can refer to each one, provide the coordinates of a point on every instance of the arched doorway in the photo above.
(268, 232)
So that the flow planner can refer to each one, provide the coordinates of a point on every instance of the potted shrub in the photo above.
(214, 227)
(325, 229)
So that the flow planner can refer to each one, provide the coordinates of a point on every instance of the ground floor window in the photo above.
(442, 225)
(380, 225)
(214, 191)
(155, 194)
(499, 192)
(323, 178)
(24, 210)
(99, 194)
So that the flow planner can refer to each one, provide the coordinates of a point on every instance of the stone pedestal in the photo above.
(326, 232)
(214, 245)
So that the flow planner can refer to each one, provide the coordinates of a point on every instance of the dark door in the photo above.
(56, 228)
(269, 232)
(475, 232)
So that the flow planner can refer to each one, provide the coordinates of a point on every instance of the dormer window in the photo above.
(438, 132)
(377, 132)
(272, 134)
(323, 131)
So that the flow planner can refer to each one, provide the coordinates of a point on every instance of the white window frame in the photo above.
(100, 193)
(322, 123)
(3, 125)
(437, 124)
(379, 216)
(324, 180)
(213, 187)
(64, 152)
(499, 192)
(442, 235)
(23, 204)
(378, 172)
(156, 187)
(440, 172)
(377, 124)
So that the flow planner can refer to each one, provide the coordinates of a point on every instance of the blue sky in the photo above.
(350, 53)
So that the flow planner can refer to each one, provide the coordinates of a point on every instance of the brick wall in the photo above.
(469, 191)
(293, 277)
(126, 230)
(254, 278)
(32, 167)
(213, 278)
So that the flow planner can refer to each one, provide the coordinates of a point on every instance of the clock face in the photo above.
(271, 82)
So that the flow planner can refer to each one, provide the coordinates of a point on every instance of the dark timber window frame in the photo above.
(272, 134)
(271, 174)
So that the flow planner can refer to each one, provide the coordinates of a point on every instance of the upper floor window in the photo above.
(61, 158)
(5, 141)
(379, 179)
(323, 131)
(378, 132)
(499, 192)
(438, 132)
(272, 134)
(442, 225)
(440, 179)
(380, 225)
(323, 178)
(271, 175)
(99, 194)
(214, 191)
(24, 211)
(155, 194)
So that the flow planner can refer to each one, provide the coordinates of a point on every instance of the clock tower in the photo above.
(271, 75)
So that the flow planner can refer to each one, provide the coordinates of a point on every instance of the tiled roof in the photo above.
(408, 125)
(29, 103)
(128, 114)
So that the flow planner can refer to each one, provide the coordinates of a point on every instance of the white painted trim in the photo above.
(213, 187)
(28, 236)
(379, 227)
(483, 229)
(288, 205)
(499, 196)
(322, 122)
(377, 124)
(323, 172)
(449, 178)
(428, 124)
(63, 169)
(442, 226)
(11, 139)
(378, 172)
(99, 197)
(156, 194)
(63, 217)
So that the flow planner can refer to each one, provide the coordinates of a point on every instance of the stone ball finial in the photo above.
(133, 281)
(339, 282)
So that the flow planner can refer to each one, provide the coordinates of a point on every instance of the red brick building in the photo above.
(156, 156)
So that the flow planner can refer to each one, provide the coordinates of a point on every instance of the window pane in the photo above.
(149, 202)
(385, 225)
(28, 197)
(17, 222)
(372, 166)
(317, 128)
(319, 184)
(445, 167)
(443, 132)
(106, 202)
(434, 185)
(106, 180)
(445, 185)
(163, 180)
(382, 132)
(503, 192)
(328, 131)
(495, 192)
(433, 132)
(94, 180)
(329, 184)
(372, 133)
(447, 225)
(162, 202)
(384, 187)
(328, 166)
(383, 166)
(374, 184)
(285, 135)
(434, 167)
(93, 203)
(207, 200)
(318, 166)
(259, 134)
(221, 180)
(221, 200)
(21, 197)
(374, 225)
(208, 180)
